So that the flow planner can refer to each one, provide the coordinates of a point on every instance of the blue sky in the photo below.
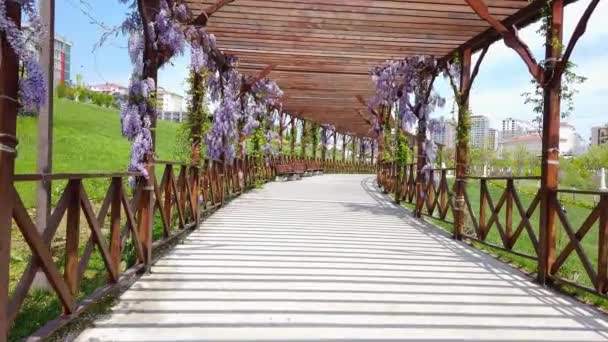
(496, 92)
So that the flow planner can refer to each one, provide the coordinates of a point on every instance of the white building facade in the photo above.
(446, 135)
(531, 144)
(570, 142)
(480, 131)
(170, 106)
(516, 128)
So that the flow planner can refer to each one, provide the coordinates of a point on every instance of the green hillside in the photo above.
(87, 138)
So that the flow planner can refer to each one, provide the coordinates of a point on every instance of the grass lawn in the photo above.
(86, 138)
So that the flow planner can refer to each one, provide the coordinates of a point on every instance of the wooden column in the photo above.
(354, 148)
(146, 205)
(9, 85)
(293, 136)
(45, 117)
(420, 162)
(462, 147)
(303, 137)
(380, 139)
(314, 131)
(344, 147)
(550, 144)
(324, 135)
(335, 145)
(281, 129)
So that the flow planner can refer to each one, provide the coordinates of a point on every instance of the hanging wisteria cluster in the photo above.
(169, 31)
(267, 92)
(255, 105)
(223, 135)
(32, 86)
(405, 85)
(165, 32)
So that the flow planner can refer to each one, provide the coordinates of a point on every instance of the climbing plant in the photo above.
(569, 81)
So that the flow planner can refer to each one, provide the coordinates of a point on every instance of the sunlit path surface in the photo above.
(329, 258)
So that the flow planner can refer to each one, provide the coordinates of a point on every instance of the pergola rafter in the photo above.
(322, 50)
(320, 53)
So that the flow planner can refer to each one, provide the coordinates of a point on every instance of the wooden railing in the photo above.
(502, 217)
(487, 225)
(336, 166)
(595, 265)
(437, 196)
(132, 219)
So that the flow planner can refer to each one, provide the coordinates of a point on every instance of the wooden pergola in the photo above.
(320, 53)
(322, 50)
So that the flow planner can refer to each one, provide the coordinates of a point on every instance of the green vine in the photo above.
(402, 149)
(569, 81)
(193, 130)
(314, 131)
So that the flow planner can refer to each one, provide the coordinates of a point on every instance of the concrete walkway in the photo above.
(329, 258)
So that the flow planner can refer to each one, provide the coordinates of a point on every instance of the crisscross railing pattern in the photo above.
(596, 270)
(119, 225)
(436, 200)
(74, 202)
(510, 205)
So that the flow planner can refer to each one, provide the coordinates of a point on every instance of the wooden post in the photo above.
(335, 145)
(380, 139)
(9, 85)
(509, 212)
(462, 148)
(420, 162)
(115, 243)
(281, 129)
(344, 142)
(602, 258)
(483, 204)
(354, 148)
(550, 152)
(324, 135)
(146, 206)
(72, 237)
(45, 117)
(303, 137)
(293, 136)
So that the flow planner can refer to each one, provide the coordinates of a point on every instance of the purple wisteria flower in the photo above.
(168, 32)
(267, 92)
(32, 87)
(222, 138)
(404, 84)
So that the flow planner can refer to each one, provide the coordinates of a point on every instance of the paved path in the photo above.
(329, 258)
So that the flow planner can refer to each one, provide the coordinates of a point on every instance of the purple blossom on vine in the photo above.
(404, 84)
(268, 149)
(168, 34)
(223, 135)
(32, 87)
(267, 92)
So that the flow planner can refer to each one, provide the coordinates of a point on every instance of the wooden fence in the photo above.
(141, 216)
(510, 224)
